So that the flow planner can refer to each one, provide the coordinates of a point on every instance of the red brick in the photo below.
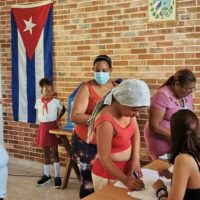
(164, 44)
(92, 9)
(155, 62)
(192, 62)
(146, 56)
(184, 55)
(138, 51)
(156, 38)
(193, 9)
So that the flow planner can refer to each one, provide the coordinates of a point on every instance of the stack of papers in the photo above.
(149, 177)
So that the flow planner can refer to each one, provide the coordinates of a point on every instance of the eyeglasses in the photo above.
(188, 89)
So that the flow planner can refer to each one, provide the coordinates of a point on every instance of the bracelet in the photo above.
(163, 195)
(160, 190)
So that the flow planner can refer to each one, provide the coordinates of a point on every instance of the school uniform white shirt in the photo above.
(53, 106)
(3, 171)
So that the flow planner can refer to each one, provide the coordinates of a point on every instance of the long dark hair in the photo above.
(183, 76)
(185, 134)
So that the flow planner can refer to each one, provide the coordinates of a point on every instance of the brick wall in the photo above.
(82, 30)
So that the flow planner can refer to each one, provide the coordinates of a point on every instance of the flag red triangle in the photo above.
(36, 15)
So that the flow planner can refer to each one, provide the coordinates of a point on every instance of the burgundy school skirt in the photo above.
(46, 139)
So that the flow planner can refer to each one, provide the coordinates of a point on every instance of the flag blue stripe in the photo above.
(48, 66)
(15, 79)
(31, 84)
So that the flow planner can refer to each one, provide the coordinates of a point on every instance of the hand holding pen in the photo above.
(137, 177)
(133, 183)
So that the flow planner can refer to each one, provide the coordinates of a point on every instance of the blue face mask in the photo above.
(101, 77)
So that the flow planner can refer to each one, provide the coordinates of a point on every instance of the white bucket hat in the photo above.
(130, 92)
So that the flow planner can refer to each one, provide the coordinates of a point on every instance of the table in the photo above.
(70, 163)
(111, 192)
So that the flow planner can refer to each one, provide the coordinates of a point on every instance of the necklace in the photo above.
(182, 102)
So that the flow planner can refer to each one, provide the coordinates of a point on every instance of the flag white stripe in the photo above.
(23, 115)
(39, 63)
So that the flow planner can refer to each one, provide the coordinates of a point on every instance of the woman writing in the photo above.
(117, 135)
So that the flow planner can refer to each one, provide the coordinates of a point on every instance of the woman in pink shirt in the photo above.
(173, 95)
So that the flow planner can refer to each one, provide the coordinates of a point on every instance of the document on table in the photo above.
(164, 157)
(149, 177)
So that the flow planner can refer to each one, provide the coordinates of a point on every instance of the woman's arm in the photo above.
(104, 135)
(160, 190)
(155, 118)
(181, 174)
(78, 113)
(135, 162)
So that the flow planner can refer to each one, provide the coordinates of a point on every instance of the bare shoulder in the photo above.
(83, 86)
(83, 89)
(184, 160)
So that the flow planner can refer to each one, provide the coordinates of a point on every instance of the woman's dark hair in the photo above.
(185, 134)
(183, 76)
(44, 82)
(103, 58)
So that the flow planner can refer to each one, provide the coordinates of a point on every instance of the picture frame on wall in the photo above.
(161, 10)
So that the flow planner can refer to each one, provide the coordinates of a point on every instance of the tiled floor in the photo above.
(21, 184)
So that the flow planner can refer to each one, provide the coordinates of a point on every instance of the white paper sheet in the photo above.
(149, 177)
(164, 157)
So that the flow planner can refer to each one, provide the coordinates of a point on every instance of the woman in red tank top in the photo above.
(85, 101)
(117, 135)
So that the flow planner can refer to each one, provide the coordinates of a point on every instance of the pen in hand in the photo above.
(136, 176)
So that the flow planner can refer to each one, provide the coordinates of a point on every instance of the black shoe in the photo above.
(58, 182)
(44, 180)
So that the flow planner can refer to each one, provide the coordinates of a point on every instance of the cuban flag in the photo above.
(31, 27)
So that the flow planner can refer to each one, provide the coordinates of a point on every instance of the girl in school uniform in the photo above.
(49, 111)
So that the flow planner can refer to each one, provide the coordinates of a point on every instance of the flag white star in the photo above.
(29, 25)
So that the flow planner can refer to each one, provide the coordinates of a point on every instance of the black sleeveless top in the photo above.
(193, 194)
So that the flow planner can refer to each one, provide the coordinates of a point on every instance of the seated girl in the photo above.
(185, 157)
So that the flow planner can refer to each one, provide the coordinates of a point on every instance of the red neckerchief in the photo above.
(45, 102)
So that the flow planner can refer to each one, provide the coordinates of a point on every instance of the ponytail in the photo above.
(169, 81)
